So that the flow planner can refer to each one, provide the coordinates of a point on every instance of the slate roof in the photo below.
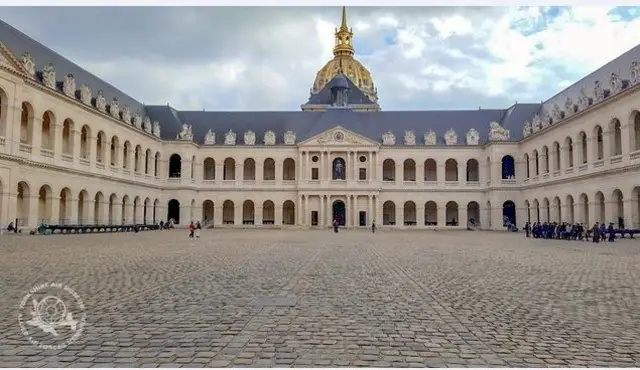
(20, 43)
(324, 97)
(311, 123)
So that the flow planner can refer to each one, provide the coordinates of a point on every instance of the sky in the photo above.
(266, 58)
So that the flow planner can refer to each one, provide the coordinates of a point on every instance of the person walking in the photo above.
(373, 227)
(198, 228)
(335, 225)
(192, 229)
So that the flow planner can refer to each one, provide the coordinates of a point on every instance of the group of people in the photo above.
(336, 226)
(566, 231)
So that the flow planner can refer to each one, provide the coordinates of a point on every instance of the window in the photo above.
(363, 174)
(314, 173)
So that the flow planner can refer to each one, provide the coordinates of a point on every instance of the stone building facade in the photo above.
(76, 150)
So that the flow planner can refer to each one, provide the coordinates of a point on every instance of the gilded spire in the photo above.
(344, 38)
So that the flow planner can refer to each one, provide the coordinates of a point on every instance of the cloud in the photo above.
(265, 58)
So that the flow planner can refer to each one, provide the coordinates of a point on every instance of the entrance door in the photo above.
(339, 212)
(314, 218)
(363, 218)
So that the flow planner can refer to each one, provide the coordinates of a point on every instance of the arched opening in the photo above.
(508, 213)
(229, 170)
(451, 170)
(536, 211)
(568, 142)
(175, 166)
(452, 214)
(339, 171)
(228, 212)
(410, 213)
(473, 213)
(207, 212)
(126, 155)
(388, 213)
(570, 215)
(193, 167)
(101, 142)
(618, 207)
(26, 124)
(146, 211)
(67, 139)
(85, 136)
(545, 155)
(615, 129)
(148, 156)
(249, 170)
(527, 170)
(64, 208)
(409, 170)
(288, 213)
(209, 169)
(83, 196)
(339, 212)
(137, 159)
(557, 210)
(430, 170)
(508, 167)
(173, 211)
(600, 204)
(431, 213)
(636, 130)
(546, 210)
(289, 170)
(156, 208)
(115, 144)
(388, 170)
(4, 107)
(584, 147)
(473, 170)
(44, 204)
(584, 208)
(98, 209)
(22, 204)
(124, 210)
(48, 120)
(558, 156)
(635, 208)
(248, 213)
(528, 208)
(269, 170)
(156, 164)
(268, 213)
(113, 199)
(136, 210)
(599, 148)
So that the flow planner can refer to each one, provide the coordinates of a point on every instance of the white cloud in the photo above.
(442, 58)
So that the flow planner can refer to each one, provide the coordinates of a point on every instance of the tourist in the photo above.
(12, 228)
(198, 228)
(612, 232)
(161, 224)
(373, 226)
(192, 229)
(527, 228)
(335, 225)
(596, 233)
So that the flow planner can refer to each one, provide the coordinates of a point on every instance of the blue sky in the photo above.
(255, 58)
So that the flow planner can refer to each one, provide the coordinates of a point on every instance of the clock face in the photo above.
(338, 136)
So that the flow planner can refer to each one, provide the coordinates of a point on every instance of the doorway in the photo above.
(339, 212)
(314, 218)
(363, 218)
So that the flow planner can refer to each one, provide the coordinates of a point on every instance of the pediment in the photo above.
(338, 136)
(8, 61)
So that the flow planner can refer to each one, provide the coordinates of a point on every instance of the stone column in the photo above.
(441, 174)
(420, 214)
(92, 156)
(56, 134)
(321, 211)
(306, 213)
(420, 173)
(354, 175)
(329, 215)
(88, 217)
(328, 173)
(72, 210)
(442, 215)
(258, 214)
(54, 205)
(219, 171)
(238, 217)
(299, 214)
(607, 148)
(464, 218)
(462, 174)
(628, 140)
(218, 213)
(76, 144)
(240, 172)
(370, 175)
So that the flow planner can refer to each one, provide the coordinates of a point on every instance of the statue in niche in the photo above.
(339, 169)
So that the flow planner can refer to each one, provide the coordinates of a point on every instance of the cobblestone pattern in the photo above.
(392, 299)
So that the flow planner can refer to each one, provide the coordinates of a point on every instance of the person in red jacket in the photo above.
(192, 229)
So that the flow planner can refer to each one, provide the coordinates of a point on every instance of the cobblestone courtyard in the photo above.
(391, 299)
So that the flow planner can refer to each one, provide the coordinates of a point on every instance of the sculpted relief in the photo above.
(249, 138)
(497, 132)
(114, 109)
(210, 138)
(146, 125)
(137, 120)
(101, 102)
(85, 94)
(388, 138)
(230, 138)
(156, 128)
(69, 85)
(450, 137)
(473, 137)
(185, 133)
(29, 63)
(49, 76)
(409, 138)
(430, 138)
(289, 137)
(269, 138)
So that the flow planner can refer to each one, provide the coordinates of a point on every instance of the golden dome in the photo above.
(343, 61)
